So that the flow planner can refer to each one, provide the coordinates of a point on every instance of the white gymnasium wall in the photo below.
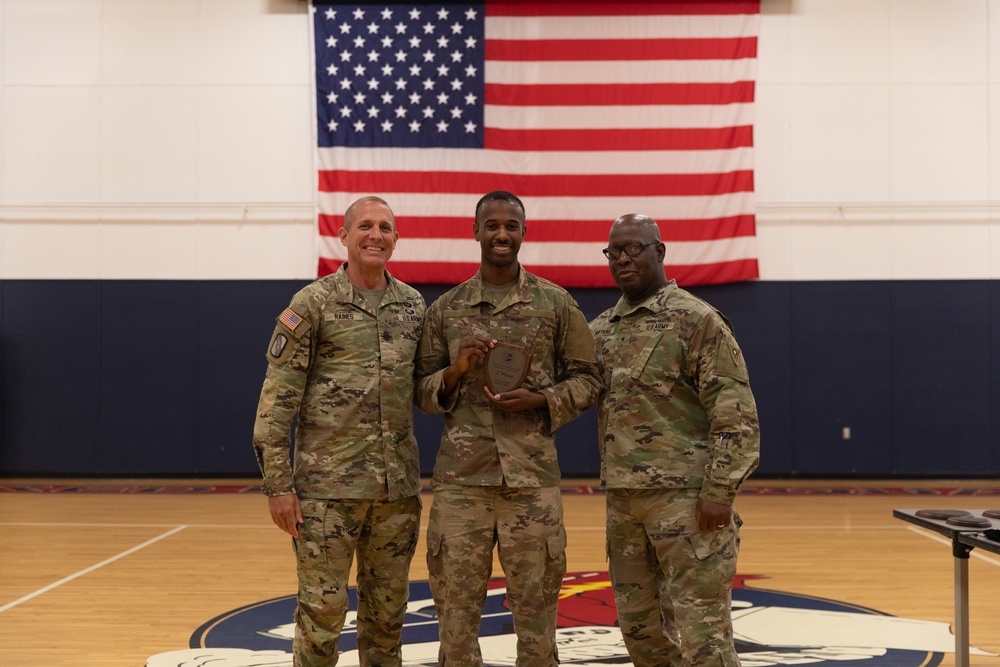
(156, 139)
(878, 139)
(171, 139)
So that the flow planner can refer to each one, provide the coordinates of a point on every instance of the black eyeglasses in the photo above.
(631, 249)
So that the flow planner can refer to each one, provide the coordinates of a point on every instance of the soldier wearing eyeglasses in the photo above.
(678, 434)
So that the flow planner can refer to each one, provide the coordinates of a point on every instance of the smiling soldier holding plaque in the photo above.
(508, 358)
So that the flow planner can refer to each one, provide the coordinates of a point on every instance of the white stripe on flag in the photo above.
(553, 253)
(618, 117)
(618, 27)
(620, 71)
(554, 208)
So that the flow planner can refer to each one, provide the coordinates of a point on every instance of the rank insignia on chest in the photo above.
(290, 319)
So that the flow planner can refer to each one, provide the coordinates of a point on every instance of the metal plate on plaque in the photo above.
(506, 366)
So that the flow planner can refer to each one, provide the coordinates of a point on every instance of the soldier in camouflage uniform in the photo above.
(678, 434)
(341, 363)
(496, 478)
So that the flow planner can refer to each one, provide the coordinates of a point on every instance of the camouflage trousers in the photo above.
(672, 583)
(383, 534)
(526, 526)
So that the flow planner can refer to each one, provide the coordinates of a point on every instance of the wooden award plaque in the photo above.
(506, 366)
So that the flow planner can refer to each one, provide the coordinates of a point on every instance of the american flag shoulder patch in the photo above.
(290, 319)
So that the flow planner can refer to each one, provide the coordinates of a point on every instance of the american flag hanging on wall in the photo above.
(584, 110)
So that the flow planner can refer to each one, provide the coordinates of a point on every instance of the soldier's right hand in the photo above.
(286, 513)
(470, 350)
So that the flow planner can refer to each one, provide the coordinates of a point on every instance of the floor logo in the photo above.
(771, 628)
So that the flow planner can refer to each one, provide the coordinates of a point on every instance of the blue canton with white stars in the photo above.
(399, 75)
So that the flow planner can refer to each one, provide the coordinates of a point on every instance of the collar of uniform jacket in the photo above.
(655, 302)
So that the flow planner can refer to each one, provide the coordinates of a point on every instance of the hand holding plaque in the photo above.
(506, 366)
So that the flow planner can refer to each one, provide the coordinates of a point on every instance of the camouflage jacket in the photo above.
(676, 410)
(345, 373)
(483, 446)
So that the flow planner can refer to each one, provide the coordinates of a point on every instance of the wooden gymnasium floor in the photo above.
(106, 573)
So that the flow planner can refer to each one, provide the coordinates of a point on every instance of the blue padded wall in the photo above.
(162, 377)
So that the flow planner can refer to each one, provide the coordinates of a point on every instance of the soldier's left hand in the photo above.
(712, 515)
(517, 400)
(286, 513)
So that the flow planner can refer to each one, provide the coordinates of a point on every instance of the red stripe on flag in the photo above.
(701, 139)
(618, 94)
(697, 274)
(416, 272)
(547, 185)
(712, 274)
(604, 8)
(578, 276)
(327, 266)
(583, 276)
(606, 50)
(596, 231)
(580, 231)
(329, 224)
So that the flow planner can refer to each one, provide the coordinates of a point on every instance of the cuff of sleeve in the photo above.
(450, 401)
(428, 394)
(277, 487)
(552, 406)
(724, 495)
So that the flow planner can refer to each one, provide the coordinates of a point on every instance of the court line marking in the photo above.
(938, 538)
(46, 589)
(69, 524)
(245, 526)
(754, 527)
(238, 526)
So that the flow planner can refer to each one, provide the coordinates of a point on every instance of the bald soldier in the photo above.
(678, 435)
(340, 362)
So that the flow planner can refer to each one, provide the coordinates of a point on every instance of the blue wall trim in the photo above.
(162, 377)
